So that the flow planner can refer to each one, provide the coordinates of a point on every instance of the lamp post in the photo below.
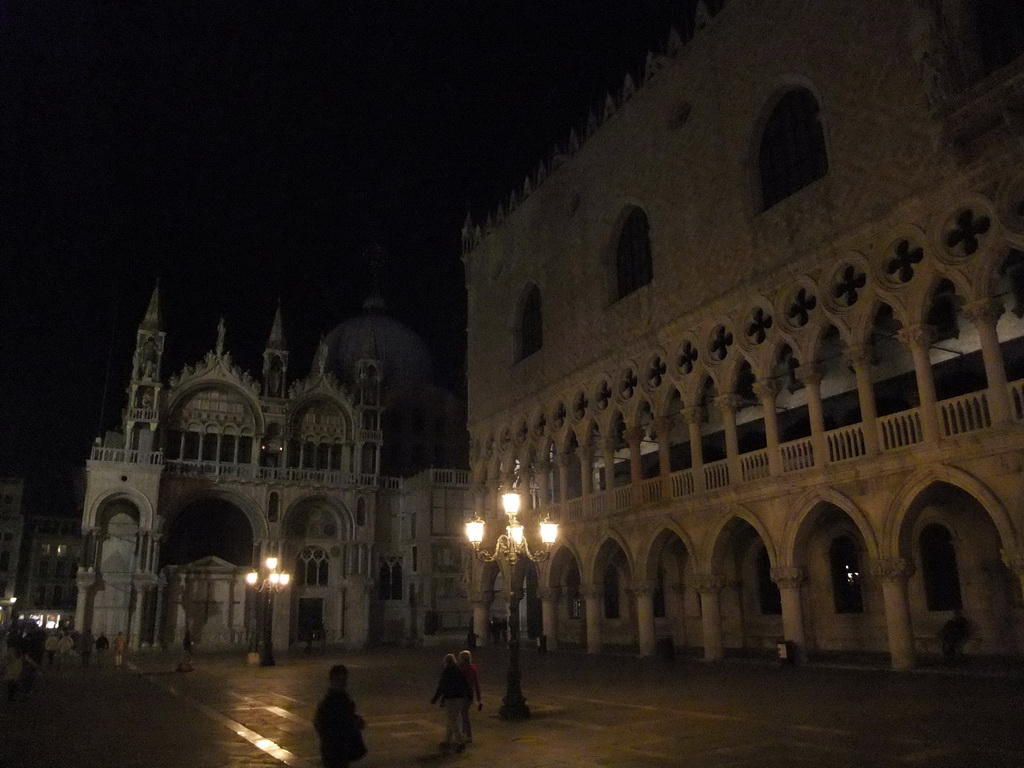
(273, 581)
(511, 547)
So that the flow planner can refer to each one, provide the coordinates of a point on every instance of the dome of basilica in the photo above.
(378, 336)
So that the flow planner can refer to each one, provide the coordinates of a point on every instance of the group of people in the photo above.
(340, 728)
(459, 684)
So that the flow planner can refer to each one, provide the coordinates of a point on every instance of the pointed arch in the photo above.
(798, 524)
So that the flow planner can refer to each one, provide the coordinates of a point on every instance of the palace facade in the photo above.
(753, 336)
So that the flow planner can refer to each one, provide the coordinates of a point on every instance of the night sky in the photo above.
(243, 152)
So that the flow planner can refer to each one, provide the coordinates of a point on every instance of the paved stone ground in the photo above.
(608, 711)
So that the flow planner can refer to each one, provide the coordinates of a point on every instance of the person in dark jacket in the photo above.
(337, 724)
(453, 692)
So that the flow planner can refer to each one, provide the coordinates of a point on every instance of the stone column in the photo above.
(158, 622)
(1015, 562)
(663, 431)
(549, 615)
(608, 448)
(728, 404)
(694, 415)
(790, 582)
(918, 338)
(894, 573)
(542, 470)
(479, 497)
(858, 357)
(644, 593)
(766, 392)
(634, 436)
(586, 470)
(810, 377)
(592, 599)
(985, 314)
(710, 588)
(478, 600)
(564, 460)
(134, 631)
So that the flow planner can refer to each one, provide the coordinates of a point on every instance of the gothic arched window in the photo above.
(844, 565)
(274, 508)
(390, 578)
(792, 148)
(573, 593)
(611, 592)
(361, 511)
(634, 267)
(531, 325)
(768, 593)
(938, 569)
(312, 568)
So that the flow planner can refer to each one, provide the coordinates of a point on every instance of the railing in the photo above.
(369, 435)
(754, 465)
(716, 474)
(899, 430)
(269, 474)
(574, 509)
(126, 456)
(650, 490)
(967, 413)
(449, 476)
(845, 443)
(623, 498)
(797, 454)
(142, 414)
(682, 483)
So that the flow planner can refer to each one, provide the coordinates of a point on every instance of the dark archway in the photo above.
(209, 527)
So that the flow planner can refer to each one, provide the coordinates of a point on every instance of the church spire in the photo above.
(152, 322)
(275, 359)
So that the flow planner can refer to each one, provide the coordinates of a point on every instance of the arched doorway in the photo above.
(208, 551)
(751, 616)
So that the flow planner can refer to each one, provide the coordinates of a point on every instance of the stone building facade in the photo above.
(215, 470)
(12, 525)
(753, 337)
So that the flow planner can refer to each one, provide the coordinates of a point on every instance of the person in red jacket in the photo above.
(472, 676)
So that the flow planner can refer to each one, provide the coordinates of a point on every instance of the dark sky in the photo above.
(245, 151)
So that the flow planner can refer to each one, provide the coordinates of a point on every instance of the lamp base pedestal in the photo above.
(514, 710)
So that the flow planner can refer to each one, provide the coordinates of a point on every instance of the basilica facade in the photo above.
(753, 336)
(213, 471)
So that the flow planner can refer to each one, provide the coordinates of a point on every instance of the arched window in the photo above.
(844, 565)
(531, 326)
(573, 593)
(361, 511)
(939, 570)
(312, 568)
(768, 593)
(390, 578)
(633, 265)
(792, 148)
(611, 592)
(1000, 32)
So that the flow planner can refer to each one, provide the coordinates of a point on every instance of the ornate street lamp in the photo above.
(511, 547)
(273, 581)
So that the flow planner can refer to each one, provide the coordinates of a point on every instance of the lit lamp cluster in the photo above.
(512, 543)
(513, 548)
(273, 581)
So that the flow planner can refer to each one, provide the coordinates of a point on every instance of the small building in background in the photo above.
(11, 525)
(47, 590)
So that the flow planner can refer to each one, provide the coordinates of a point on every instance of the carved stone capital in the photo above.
(790, 577)
(693, 414)
(643, 588)
(728, 402)
(590, 592)
(859, 355)
(542, 467)
(767, 390)
(809, 374)
(634, 435)
(984, 312)
(916, 336)
(550, 594)
(892, 569)
(710, 583)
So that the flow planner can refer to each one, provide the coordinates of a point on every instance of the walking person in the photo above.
(120, 645)
(65, 649)
(51, 646)
(473, 678)
(337, 724)
(454, 693)
(102, 644)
